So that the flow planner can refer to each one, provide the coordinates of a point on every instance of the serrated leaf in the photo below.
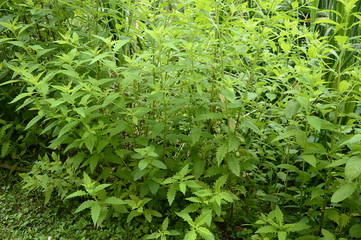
(153, 235)
(101, 187)
(233, 143)
(233, 165)
(195, 135)
(355, 231)
(67, 128)
(337, 163)
(110, 98)
(286, 134)
(85, 205)
(191, 235)
(344, 220)
(90, 140)
(143, 164)
(291, 108)
(185, 216)
(158, 164)
(344, 192)
(171, 195)
(33, 121)
(220, 182)
(353, 168)
(204, 218)
(183, 187)
(310, 159)
(114, 201)
(205, 233)
(278, 215)
(101, 56)
(221, 153)
(132, 215)
(267, 229)
(87, 180)
(5, 148)
(21, 96)
(76, 194)
(95, 212)
(328, 235)
(80, 111)
(315, 122)
(282, 235)
(165, 224)
(296, 227)
(119, 44)
(354, 139)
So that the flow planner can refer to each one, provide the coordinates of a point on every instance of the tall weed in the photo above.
(200, 115)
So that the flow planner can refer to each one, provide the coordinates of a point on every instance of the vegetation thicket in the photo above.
(199, 119)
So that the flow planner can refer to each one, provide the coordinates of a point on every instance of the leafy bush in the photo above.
(202, 114)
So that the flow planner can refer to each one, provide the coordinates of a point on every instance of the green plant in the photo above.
(198, 114)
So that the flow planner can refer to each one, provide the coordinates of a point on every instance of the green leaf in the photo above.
(279, 215)
(182, 187)
(315, 122)
(267, 229)
(185, 216)
(204, 218)
(291, 108)
(191, 235)
(87, 180)
(143, 163)
(353, 168)
(119, 44)
(114, 201)
(205, 233)
(48, 193)
(165, 224)
(233, 143)
(132, 215)
(101, 56)
(85, 205)
(90, 140)
(5, 148)
(286, 134)
(153, 236)
(344, 192)
(171, 195)
(296, 227)
(233, 165)
(355, 231)
(282, 235)
(110, 98)
(101, 187)
(310, 159)
(220, 182)
(158, 164)
(221, 153)
(195, 135)
(76, 194)
(337, 163)
(95, 212)
(67, 128)
(23, 95)
(33, 121)
(229, 94)
(328, 235)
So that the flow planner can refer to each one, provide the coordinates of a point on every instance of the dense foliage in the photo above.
(200, 119)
